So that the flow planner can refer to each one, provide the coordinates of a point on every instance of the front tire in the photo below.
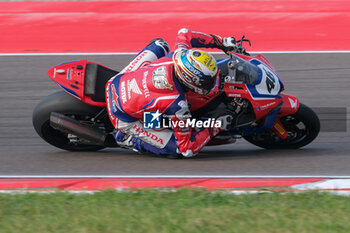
(63, 103)
(302, 127)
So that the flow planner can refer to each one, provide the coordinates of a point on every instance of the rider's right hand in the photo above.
(226, 121)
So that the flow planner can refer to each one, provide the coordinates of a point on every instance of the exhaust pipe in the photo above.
(69, 125)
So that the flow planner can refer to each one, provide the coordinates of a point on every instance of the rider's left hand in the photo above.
(229, 44)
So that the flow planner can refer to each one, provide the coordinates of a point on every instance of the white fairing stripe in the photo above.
(160, 64)
(161, 98)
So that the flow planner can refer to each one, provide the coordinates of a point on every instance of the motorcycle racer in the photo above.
(156, 82)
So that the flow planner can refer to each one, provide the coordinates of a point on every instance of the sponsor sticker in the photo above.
(266, 106)
(293, 104)
(160, 80)
(279, 128)
(135, 62)
(133, 87)
(69, 74)
(151, 136)
(144, 85)
(197, 54)
(123, 92)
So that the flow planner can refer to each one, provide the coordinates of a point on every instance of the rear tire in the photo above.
(297, 137)
(63, 103)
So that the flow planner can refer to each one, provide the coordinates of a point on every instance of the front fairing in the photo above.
(268, 84)
(251, 78)
(253, 71)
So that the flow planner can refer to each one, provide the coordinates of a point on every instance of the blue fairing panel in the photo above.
(268, 84)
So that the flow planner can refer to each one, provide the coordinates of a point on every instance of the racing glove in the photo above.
(226, 44)
(229, 44)
(225, 122)
(225, 125)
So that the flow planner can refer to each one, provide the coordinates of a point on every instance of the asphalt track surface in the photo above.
(319, 80)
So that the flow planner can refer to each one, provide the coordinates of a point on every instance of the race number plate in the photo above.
(268, 85)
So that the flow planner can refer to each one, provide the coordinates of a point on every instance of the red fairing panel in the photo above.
(265, 61)
(197, 101)
(70, 76)
(290, 105)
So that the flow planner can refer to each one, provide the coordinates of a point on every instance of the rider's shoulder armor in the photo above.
(150, 89)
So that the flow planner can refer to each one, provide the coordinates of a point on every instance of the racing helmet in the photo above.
(196, 70)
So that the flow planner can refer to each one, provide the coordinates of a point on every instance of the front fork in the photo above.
(279, 129)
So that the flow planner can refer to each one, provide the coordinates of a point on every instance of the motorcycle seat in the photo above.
(96, 77)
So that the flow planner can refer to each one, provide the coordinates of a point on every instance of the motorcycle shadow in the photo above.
(207, 154)
(261, 153)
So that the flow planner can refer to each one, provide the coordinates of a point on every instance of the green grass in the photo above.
(181, 211)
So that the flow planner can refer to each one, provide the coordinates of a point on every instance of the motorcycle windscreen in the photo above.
(244, 71)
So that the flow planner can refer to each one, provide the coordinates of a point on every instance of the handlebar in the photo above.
(240, 49)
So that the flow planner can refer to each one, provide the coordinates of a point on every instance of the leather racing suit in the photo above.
(149, 84)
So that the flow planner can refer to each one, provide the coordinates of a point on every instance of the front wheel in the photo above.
(63, 103)
(302, 127)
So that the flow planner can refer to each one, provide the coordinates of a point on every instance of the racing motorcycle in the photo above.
(248, 88)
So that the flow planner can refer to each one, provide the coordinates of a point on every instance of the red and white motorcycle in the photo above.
(249, 89)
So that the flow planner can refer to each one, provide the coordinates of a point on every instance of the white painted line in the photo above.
(134, 53)
(234, 192)
(171, 176)
(325, 184)
(339, 193)
(240, 192)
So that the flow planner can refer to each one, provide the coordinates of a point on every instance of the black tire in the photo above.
(63, 103)
(297, 137)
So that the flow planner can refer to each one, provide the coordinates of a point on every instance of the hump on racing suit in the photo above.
(149, 85)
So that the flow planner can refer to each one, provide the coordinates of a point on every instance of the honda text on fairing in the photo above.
(248, 88)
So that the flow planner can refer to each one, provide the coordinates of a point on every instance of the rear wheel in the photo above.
(63, 103)
(302, 127)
